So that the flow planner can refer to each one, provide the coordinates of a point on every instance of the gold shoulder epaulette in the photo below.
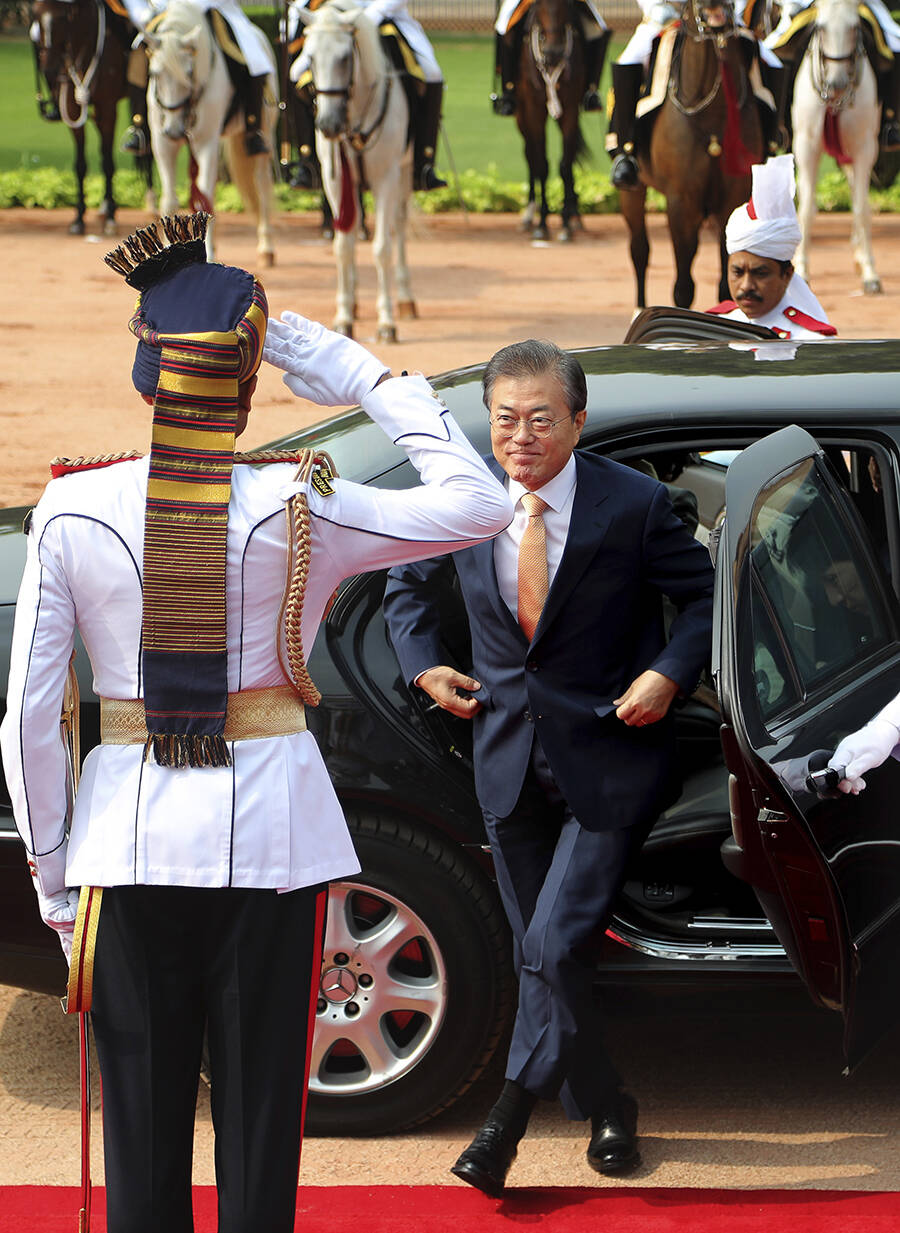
(68, 466)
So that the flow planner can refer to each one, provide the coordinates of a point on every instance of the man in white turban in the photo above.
(760, 239)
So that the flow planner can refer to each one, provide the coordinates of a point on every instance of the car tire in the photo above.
(417, 988)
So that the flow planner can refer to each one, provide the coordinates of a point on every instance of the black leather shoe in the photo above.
(255, 143)
(485, 1162)
(591, 101)
(503, 104)
(624, 173)
(134, 142)
(429, 179)
(890, 135)
(612, 1148)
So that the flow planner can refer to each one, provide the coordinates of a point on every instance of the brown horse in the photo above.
(552, 82)
(83, 52)
(705, 137)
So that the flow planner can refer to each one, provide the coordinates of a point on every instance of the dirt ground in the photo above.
(66, 351)
(777, 1117)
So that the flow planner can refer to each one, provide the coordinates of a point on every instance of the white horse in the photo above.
(362, 122)
(189, 99)
(836, 101)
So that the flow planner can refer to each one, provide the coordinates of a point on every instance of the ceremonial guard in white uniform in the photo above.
(425, 110)
(245, 57)
(761, 238)
(205, 822)
(510, 28)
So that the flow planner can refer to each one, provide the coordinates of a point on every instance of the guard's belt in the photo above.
(252, 715)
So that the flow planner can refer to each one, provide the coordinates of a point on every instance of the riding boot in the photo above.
(48, 107)
(426, 123)
(774, 134)
(252, 100)
(594, 57)
(305, 172)
(507, 53)
(627, 80)
(889, 95)
(137, 136)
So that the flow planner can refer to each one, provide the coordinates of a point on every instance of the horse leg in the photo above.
(165, 154)
(527, 220)
(808, 137)
(566, 170)
(632, 207)
(387, 206)
(406, 305)
(858, 174)
(538, 169)
(207, 156)
(105, 121)
(685, 220)
(76, 227)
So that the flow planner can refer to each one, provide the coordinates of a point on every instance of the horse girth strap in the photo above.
(252, 715)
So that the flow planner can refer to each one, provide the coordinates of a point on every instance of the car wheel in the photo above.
(417, 986)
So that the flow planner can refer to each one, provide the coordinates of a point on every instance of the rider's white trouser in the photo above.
(640, 45)
(508, 7)
(880, 11)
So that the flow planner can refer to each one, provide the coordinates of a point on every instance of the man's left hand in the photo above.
(646, 700)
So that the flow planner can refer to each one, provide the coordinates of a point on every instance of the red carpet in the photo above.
(452, 1209)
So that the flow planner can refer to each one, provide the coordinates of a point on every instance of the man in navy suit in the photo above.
(574, 745)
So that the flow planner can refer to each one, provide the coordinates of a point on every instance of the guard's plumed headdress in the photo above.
(200, 330)
(767, 224)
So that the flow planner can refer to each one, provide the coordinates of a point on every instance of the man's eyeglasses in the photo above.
(539, 425)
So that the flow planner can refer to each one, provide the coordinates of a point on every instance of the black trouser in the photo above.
(171, 961)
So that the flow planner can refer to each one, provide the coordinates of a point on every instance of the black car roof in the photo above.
(664, 384)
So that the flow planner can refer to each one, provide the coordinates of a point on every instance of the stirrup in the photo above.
(591, 100)
(255, 143)
(134, 142)
(889, 138)
(427, 179)
(302, 175)
(48, 109)
(624, 171)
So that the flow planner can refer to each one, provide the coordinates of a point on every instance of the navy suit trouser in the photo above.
(558, 883)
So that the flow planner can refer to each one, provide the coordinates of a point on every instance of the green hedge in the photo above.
(49, 188)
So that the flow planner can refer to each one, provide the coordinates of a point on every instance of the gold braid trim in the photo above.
(292, 658)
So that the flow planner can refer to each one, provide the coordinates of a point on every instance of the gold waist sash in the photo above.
(252, 714)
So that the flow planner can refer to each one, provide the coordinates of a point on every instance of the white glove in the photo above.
(59, 911)
(862, 751)
(319, 365)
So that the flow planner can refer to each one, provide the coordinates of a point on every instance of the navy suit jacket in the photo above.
(602, 625)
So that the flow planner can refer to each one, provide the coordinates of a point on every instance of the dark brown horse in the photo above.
(705, 137)
(83, 53)
(552, 82)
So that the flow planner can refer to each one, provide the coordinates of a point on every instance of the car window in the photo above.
(813, 582)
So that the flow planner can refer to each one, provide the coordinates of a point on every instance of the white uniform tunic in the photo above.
(379, 11)
(248, 36)
(508, 7)
(271, 819)
(786, 319)
(656, 16)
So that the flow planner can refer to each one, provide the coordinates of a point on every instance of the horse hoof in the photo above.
(343, 327)
(77, 227)
(151, 203)
(386, 334)
(267, 259)
(540, 233)
(110, 228)
(872, 286)
(406, 310)
(327, 233)
(565, 236)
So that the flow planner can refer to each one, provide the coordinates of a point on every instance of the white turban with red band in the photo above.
(767, 224)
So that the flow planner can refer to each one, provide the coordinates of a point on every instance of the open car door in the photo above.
(807, 649)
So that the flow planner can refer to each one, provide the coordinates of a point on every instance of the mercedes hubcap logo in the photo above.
(338, 985)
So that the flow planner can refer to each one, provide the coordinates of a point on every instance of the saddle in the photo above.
(664, 61)
(795, 40)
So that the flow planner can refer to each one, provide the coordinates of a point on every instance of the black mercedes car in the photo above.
(757, 870)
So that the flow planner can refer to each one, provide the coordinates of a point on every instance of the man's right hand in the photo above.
(443, 684)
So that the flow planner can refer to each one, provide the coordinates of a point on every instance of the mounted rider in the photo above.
(245, 59)
(791, 36)
(510, 31)
(629, 76)
(420, 72)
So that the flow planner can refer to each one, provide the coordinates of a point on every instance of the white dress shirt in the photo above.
(271, 819)
(558, 493)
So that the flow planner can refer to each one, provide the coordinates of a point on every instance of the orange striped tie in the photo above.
(533, 584)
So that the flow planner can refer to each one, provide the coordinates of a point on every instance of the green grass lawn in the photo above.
(477, 138)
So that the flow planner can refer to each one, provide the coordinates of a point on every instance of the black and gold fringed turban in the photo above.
(200, 330)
